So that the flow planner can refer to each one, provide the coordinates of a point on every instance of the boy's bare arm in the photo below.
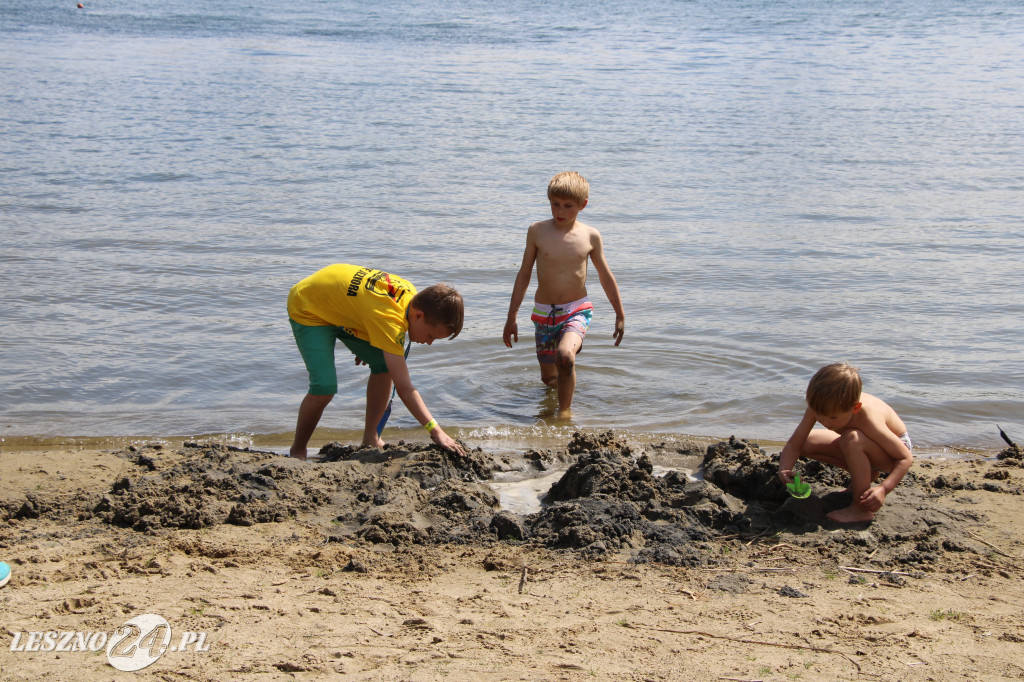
(399, 371)
(791, 452)
(511, 331)
(876, 429)
(610, 286)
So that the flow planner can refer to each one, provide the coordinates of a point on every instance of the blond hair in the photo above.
(569, 185)
(834, 389)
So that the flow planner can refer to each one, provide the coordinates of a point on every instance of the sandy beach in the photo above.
(396, 564)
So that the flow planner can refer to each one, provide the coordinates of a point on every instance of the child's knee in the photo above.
(851, 441)
(320, 399)
(565, 360)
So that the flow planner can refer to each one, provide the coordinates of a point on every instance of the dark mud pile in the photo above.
(608, 503)
(609, 500)
(1013, 455)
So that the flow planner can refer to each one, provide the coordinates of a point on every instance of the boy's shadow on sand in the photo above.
(909, 528)
(811, 513)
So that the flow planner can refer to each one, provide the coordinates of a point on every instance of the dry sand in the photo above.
(393, 565)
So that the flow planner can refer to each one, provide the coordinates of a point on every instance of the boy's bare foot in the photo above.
(564, 414)
(297, 454)
(375, 443)
(852, 514)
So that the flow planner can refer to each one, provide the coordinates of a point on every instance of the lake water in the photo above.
(779, 185)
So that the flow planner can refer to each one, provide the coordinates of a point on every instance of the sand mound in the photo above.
(608, 502)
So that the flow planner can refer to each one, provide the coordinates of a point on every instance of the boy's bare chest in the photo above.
(571, 247)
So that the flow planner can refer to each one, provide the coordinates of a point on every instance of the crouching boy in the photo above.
(862, 434)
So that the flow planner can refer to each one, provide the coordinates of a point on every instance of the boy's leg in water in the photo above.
(565, 363)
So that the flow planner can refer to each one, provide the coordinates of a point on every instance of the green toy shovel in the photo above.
(797, 489)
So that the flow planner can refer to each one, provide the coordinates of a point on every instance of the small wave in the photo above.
(161, 177)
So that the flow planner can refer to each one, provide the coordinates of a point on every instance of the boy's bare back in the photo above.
(880, 422)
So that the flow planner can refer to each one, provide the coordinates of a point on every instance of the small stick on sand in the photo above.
(755, 641)
(522, 580)
(758, 569)
(989, 544)
(759, 535)
(688, 593)
(871, 570)
(1006, 438)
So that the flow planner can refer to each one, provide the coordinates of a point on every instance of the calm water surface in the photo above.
(779, 186)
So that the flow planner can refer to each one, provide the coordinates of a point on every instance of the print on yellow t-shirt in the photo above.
(369, 304)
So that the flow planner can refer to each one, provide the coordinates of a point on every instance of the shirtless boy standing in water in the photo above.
(862, 434)
(562, 311)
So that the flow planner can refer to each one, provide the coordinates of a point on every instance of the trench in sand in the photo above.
(524, 495)
(524, 491)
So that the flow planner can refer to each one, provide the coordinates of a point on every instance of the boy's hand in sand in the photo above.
(873, 498)
(511, 333)
(446, 441)
(786, 476)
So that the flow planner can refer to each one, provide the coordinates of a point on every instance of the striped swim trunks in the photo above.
(552, 321)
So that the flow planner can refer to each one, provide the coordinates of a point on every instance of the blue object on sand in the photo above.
(5, 573)
(387, 413)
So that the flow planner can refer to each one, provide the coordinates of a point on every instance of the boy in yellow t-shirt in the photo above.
(373, 313)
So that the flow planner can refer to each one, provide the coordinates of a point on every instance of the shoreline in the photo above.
(507, 439)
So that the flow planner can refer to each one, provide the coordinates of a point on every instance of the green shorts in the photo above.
(316, 344)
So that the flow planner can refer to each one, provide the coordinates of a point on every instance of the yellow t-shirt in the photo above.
(368, 304)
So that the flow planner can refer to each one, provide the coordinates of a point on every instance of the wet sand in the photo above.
(399, 564)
